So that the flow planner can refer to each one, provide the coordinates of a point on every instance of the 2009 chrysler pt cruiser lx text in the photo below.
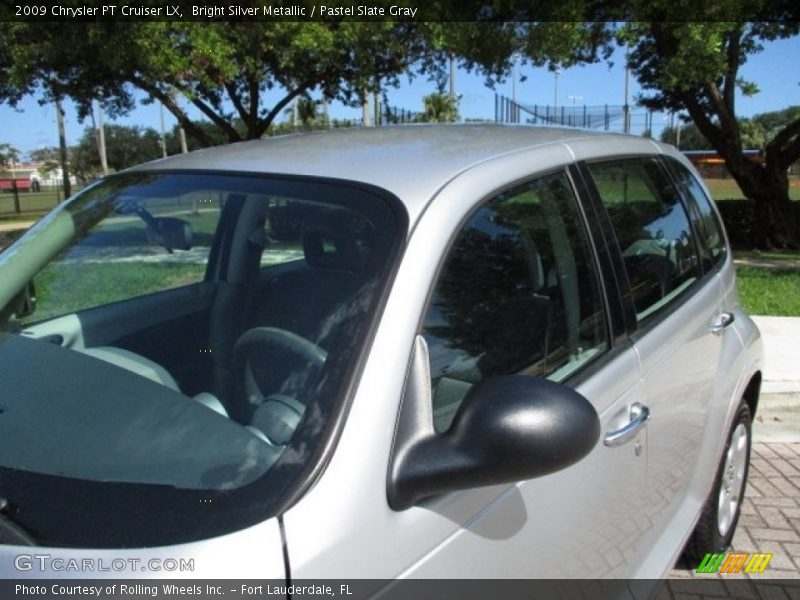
(427, 351)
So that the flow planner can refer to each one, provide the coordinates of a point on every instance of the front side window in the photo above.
(652, 230)
(181, 411)
(518, 293)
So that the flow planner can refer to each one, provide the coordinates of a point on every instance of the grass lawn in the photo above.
(728, 189)
(770, 291)
(66, 288)
(35, 202)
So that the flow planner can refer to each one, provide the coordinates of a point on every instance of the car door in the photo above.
(521, 292)
(495, 263)
(678, 327)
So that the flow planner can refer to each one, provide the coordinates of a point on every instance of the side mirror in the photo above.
(172, 233)
(508, 429)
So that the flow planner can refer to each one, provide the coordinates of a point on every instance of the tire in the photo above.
(717, 524)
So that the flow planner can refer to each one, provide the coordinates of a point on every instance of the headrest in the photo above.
(329, 242)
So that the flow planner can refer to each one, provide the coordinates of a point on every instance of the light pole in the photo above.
(101, 139)
(574, 108)
(556, 73)
(453, 76)
(514, 74)
(626, 109)
(163, 138)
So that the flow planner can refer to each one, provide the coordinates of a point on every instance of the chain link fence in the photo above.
(617, 118)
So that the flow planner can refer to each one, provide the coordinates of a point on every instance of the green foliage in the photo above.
(772, 123)
(691, 138)
(8, 155)
(211, 135)
(225, 70)
(693, 66)
(741, 221)
(440, 108)
(755, 132)
(125, 147)
(50, 158)
(308, 117)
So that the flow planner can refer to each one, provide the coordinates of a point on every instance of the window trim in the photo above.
(605, 261)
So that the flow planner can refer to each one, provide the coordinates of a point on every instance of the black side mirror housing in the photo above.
(508, 429)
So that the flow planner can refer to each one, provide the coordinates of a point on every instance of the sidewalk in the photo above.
(15, 225)
(10, 230)
(778, 414)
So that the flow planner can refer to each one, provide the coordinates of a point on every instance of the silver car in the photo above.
(428, 351)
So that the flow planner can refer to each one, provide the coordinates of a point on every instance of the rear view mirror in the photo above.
(169, 232)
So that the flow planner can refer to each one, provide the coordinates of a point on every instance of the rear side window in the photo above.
(652, 229)
(704, 219)
(518, 293)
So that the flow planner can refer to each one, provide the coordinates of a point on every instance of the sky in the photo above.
(776, 71)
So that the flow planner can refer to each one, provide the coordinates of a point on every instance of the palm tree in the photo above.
(440, 108)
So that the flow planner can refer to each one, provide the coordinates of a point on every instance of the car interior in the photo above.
(287, 282)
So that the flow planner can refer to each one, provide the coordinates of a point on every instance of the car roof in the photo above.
(411, 161)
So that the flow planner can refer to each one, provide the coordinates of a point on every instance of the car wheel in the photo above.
(717, 523)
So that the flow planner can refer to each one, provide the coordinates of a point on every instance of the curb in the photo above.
(777, 418)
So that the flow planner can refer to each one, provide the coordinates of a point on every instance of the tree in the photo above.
(691, 138)
(211, 136)
(50, 158)
(440, 108)
(225, 70)
(755, 131)
(125, 147)
(682, 64)
(771, 123)
(694, 66)
(9, 155)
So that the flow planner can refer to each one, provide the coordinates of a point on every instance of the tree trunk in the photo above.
(777, 221)
(768, 187)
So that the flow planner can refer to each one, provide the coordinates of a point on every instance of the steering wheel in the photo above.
(288, 363)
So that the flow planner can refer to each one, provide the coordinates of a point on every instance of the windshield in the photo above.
(175, 347)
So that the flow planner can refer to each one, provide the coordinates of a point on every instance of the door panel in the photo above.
(679, 359)
(520, 293)
(675, 307)
(169, 328)
(588, 520)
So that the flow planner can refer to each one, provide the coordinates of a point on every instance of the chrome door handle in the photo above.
(640, 414)
(722, 322)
